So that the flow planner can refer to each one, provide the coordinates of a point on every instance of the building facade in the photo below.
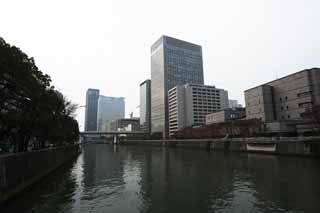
(234, 104)
(286, 98)
(226, 115)
(145, 106)
(173, 62)
(190, 103)
(90, 123)
(126, 124)
(109, 109)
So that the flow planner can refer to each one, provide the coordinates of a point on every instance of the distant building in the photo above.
(90, 123)
(125, 124)
(226, 115)
(145, 106)
(173, 62)
(285, 98)
(190, 103)
(109, 109)
(234, 104)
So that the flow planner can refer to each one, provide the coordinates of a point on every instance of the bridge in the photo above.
(112, 133)
(87, 135)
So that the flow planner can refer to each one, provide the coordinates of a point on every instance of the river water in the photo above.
(122, 179)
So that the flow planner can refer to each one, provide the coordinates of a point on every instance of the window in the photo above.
(304, 94)
(287, 107)
(280, 99)
(288, 116)
(286, 98)
(281, 108)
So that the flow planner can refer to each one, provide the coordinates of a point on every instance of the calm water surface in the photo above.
(154, 179)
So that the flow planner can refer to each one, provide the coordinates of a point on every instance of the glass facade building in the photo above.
(90, 123)
(145, 106)
(109, 109)
(173, 62)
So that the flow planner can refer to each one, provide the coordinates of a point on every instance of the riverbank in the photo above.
(302, 146)
(20, 170)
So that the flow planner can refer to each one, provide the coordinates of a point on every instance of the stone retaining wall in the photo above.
(20, 170)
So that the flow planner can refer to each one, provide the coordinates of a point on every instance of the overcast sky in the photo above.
(104, 44)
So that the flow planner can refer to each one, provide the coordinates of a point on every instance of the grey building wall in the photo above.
(189, 104)
(225, 115)
(90, 123)
(145, 106)
(173, 62)
(285, 98)
(109, 109)
(224, 99)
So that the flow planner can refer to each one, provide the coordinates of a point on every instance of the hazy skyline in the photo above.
(106, 44)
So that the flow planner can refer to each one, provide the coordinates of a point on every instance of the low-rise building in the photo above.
(285, 98)
(190, 103)
(281, 103)
(126, 124)
(226, 115)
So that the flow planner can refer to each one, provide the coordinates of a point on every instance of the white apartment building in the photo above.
(190, 103)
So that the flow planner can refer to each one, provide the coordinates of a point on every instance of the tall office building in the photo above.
(90, 123)
(190, 103)
(109, 109)
(173, 62)
(145, 106)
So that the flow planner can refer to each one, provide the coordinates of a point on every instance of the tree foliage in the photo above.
(31, 109)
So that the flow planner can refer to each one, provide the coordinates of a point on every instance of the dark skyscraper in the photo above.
(145, 106)
(90, 123)
(173, 62)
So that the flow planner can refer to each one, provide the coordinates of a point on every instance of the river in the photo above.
(122, 179)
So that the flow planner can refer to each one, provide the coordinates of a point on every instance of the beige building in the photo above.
(190, 103)
(284, 99)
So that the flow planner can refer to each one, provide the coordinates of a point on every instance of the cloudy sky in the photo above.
(106, 44)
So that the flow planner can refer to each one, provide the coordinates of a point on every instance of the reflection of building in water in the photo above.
(278, 181)
(100, 163)
(184, 181)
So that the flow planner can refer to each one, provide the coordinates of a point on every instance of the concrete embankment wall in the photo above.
(306, 146)
(20, 170)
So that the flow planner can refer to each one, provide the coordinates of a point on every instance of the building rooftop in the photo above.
(265, 84)
(148, 80)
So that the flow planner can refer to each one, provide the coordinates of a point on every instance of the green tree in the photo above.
(30, 107)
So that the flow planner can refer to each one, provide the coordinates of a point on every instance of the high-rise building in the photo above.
(190, 103)
(284, 99)
(145, 106)
(90, 123)
(173, 62)
(109, 109)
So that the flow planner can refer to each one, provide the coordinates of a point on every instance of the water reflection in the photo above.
(107, 178)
